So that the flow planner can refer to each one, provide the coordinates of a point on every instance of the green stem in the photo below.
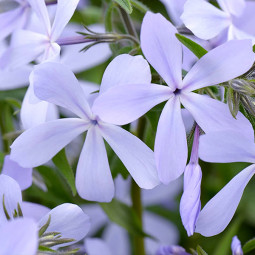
(128, 23)
(139, 248)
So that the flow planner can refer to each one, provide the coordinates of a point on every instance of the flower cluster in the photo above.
(180, 82)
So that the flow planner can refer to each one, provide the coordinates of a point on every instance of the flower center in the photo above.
(177, 92)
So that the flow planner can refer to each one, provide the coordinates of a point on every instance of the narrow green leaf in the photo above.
(124, 216)
(249, 246)
(140, 6)
(200, 251)
(46, 249)
(197, 49)
(13, 102)
(126, 5)
(61, 162)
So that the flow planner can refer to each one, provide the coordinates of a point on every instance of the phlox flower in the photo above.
(16, 78)
(67, 219)
(56, 84)
(123, 104)
(234, 21)
(14, 14)
(225, 146)
(28, 45)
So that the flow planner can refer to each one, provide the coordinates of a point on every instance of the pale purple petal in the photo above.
(220, 65)
(35, 112)
(96, 246)
(19, 236)
(65, 11)
(213, 115)
(97, 216)
(11, 20)
(162, 194)
(236, 34)
(114, 232)
(227, 146)
(39, 144)
(246, 20)
(234, 7)
(33, 210)
(69, 220)
(55, 83)
(170, 144)
(236, 246)
(39, 7)
(203, 19)
(163, 230)
(23, 176)
(10, 189)
(15, 78)
(124, 104)
(162, 49)
(126, 69)
(25, 47)
(137, 157)
(93, 177)
(174, 9)
(218, 212)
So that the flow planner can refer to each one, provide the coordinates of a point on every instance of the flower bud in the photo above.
(171, 250)
(249, 104)
(190, 204)
(243, 86)
(236, 246)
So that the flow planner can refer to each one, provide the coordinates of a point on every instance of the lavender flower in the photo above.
(28, 45)
(57, 84)
(234, 21)
(225, 146)
(124, 104)
(66, 222)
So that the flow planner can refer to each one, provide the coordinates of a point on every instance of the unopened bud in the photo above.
(249, 104)
(243, 86)
(190, 204)
(171, 250)
(236, 246)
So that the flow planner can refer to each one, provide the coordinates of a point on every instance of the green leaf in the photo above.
(126, 5)
(249, 246)
(13, 102)
(61, 162)
(124, 216)
(197, 49)
(139, 6)
(200, 251)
